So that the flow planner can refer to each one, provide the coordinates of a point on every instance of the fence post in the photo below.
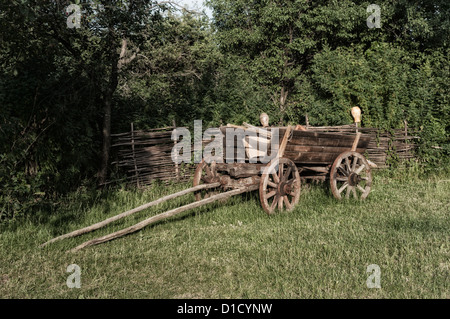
(177, 170)
(134, 156)
(406, 132)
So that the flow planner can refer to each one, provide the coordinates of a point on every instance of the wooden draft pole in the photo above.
(165, 215)
(130, 212)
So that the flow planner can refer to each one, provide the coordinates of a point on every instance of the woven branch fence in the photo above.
(146, 155)
(396, 145)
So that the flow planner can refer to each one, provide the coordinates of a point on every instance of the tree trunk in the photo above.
(286, 83)
(106, 135)
(107, 110)
(118, 61)
(283, 97)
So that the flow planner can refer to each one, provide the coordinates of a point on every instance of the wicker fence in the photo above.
(399, 144)
(146, 155)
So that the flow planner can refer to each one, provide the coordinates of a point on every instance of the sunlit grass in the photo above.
(234, 250)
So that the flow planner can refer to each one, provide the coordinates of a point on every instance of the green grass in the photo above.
(234, 250)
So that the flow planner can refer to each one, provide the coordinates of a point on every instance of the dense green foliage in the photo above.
(63, 91)
(320, 58)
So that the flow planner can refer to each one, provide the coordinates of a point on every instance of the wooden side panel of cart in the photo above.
(320, 148)
(307, 148)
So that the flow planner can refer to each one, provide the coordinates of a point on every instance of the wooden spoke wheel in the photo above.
(350, 176)
(205, 174)
(279, 187)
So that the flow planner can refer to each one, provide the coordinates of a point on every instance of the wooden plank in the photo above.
(311, 157)
(310, 134)
(323, 141)
(242, 170)
(320, 149)
(318, 169)
(284, 142)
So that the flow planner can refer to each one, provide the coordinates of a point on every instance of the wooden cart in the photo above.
(302, 155)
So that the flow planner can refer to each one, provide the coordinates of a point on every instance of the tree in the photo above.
(108, 40)
(58, 88)
(278, 39)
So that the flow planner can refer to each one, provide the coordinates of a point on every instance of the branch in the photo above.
(123, 51)
(65, 43)
(173, 3)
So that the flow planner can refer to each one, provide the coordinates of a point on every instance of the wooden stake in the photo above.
(356, 141)
(284, 141)
(406, 132)
(134, 155)
(177, 170)
(165, 215)
(130, 212)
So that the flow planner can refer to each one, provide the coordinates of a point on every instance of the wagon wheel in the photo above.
(279, 186)
(350, 175)
(205, 174)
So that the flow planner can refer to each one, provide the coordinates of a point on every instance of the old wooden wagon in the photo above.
(300, 155)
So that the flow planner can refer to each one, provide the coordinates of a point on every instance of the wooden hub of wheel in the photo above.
(354, 179)
(350, 176)
(279, 188)
(284, 188)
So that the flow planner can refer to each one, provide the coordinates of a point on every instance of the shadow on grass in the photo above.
(423, 224)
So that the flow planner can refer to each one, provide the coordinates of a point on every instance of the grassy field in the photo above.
(234, 250)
